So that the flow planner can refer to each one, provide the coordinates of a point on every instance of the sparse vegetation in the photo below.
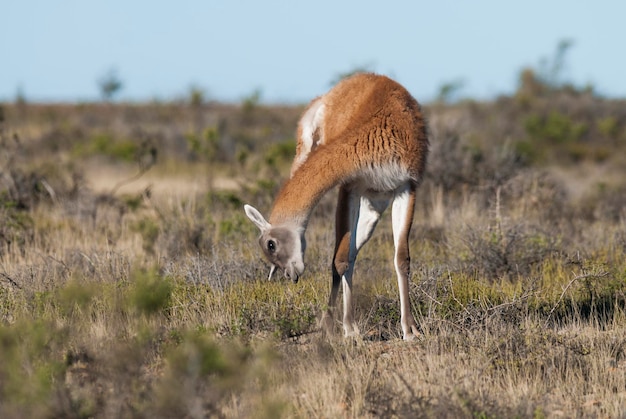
(140, 301)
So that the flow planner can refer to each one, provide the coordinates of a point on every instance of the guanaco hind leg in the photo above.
(402, 219)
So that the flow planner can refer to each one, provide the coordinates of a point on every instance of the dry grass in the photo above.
(503, 371)
(152, 301)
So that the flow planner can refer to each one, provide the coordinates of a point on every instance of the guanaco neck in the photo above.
(325, 168)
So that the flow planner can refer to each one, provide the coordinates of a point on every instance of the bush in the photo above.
(16, 225)
(106, 144)
(509, 251)
(555, 135)
(151, 293)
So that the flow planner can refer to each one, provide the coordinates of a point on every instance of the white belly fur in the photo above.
(380, 179)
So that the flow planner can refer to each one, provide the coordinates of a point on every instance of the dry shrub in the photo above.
(179, 238)
(218, 268)
(460, 170)
(508, 251)
(537, 194)
(605, 203)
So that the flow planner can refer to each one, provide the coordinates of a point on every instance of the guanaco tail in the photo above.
(366, 135)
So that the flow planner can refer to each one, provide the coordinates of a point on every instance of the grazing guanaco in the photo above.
(366, 135)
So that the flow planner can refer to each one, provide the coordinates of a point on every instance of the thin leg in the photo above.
(366, 215)
(402, 219)
(341, 254)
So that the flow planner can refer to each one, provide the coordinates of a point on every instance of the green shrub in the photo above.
(74, 297)
(294, 320)
(204, 147)
(556, 128)
(149, 231)
(151, 293)
(225, 199)
(31, 367)
(198, 354)
(608, 126)
(236, 224)
(280, 153)
(105, 144)
(16, 225)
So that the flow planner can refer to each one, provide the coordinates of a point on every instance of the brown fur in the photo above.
(369, 119)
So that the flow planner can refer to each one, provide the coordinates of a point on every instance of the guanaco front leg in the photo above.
(362, 215)
(340, 257)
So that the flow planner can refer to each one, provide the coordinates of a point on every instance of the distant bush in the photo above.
(555, 128)
(196, 96)
(251, 102)
(110, 85)
(280, 153)
(557, 136)
(204, 147)
(546, 78)
(106, 144)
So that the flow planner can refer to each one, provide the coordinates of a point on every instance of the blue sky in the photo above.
(291, 50)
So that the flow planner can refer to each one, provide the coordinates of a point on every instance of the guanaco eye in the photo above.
(271, 246)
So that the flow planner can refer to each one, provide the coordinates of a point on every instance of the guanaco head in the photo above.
(282, 245)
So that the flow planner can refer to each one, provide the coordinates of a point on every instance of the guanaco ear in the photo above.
(255, 216)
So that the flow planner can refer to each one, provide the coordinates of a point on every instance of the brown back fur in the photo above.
(369, 121)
